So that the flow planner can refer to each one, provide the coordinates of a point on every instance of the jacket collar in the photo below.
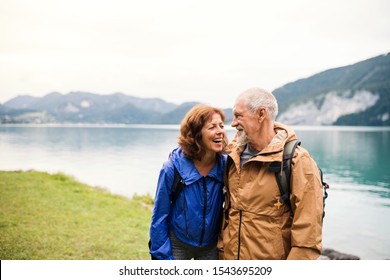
(274, 150)
(188, 171)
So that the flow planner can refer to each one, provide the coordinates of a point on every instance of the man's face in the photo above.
(246, 122)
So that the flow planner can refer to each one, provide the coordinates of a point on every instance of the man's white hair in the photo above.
(256, 98)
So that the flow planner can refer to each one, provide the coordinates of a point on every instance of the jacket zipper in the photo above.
(240, 222)
(204, 211)
(239, 236)
(185, 214)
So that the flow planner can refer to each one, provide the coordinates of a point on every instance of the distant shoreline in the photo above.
(177, 126)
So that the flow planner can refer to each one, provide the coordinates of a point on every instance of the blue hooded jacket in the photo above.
(195, 215)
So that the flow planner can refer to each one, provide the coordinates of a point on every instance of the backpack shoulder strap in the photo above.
(229, 163)
(178, 185)
(225, 189)
(283, 171)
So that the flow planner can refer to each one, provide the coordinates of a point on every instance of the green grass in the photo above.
(54, 217)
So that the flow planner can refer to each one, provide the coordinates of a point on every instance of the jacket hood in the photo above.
(187, 169)
(283, 135)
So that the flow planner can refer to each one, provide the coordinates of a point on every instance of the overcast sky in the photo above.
(180, 50)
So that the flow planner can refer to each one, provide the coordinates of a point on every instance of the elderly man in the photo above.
(256, 224)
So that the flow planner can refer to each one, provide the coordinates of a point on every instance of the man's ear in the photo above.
(261, 114)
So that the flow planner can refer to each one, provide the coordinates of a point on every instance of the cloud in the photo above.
(181, 50)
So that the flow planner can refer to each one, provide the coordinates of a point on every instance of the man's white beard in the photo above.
(242, 138)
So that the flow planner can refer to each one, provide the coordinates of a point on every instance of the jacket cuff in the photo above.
(301, 253)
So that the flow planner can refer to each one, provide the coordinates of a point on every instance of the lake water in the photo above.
(127, 159)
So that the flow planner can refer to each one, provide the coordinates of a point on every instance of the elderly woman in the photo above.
(187, 228)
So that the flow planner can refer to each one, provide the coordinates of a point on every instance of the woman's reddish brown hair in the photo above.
(190, 139)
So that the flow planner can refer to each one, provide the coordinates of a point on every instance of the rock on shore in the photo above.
(330, 254)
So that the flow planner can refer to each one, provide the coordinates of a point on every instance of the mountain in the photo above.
(357, 94)
(84, 107)
(175, 116)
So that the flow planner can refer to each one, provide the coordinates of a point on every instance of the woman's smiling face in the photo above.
(213, 133)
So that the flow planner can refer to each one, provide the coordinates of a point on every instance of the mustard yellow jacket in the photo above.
(254, 226)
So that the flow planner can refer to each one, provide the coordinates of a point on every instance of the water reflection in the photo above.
(353, 157)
